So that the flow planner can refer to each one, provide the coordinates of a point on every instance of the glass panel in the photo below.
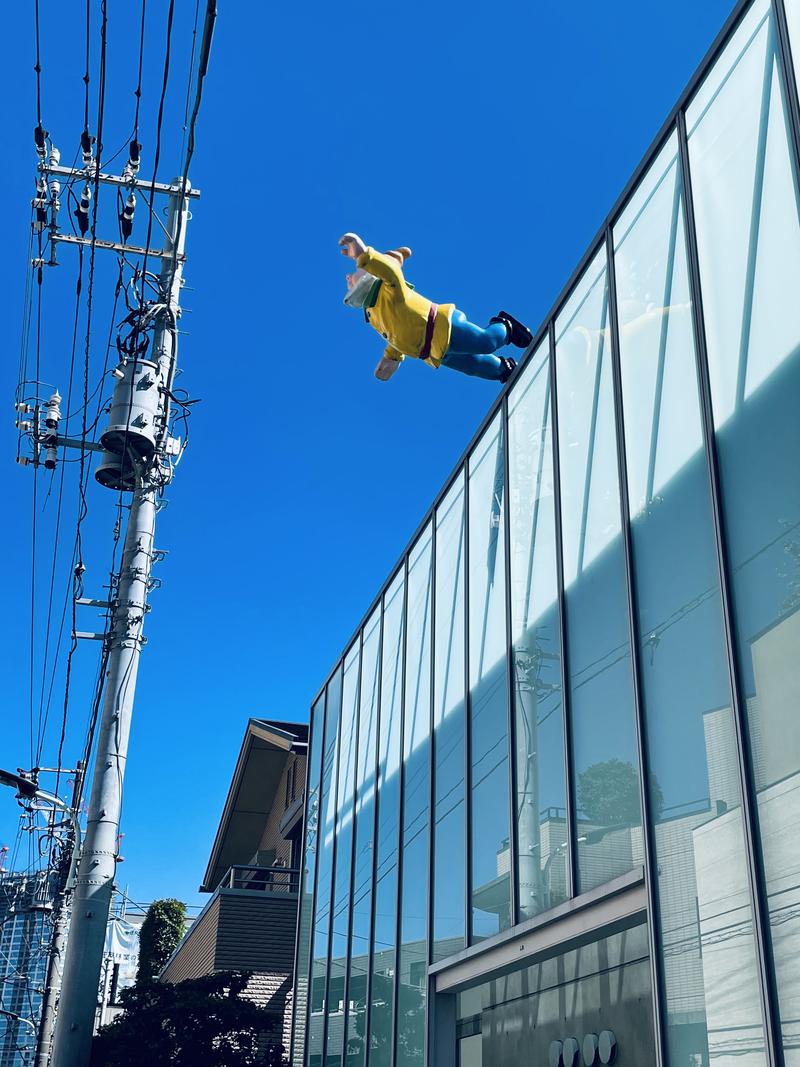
(745, 196)
(343, 863)
(327, 809)
(361, 920)
(413, 952)
(689, 728)
(793, 19)
(449, 894)
(488, 680)
(384, 935)
(307, 892)
(541, 781)
(604, 753)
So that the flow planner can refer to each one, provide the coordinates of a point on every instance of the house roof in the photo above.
(265, 748)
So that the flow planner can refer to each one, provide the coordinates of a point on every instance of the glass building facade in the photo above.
(554, 781)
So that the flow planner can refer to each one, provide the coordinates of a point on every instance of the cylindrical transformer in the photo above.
(132, 422)
(116, 472)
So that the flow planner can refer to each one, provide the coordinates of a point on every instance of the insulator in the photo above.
(40, 203)
(87, 143)
(55, 156)
(53, 411)
(40, 137)
(82, 210)
(134, 159)
(126, 218)
(23, 407)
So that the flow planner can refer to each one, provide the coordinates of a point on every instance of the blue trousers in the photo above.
(471, 348)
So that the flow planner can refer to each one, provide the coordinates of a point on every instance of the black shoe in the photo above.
(518, 335)
(509, 366)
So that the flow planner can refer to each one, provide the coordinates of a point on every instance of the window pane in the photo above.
(689, 729)
(449, 892)
(361, 929)
(325, 863)
(343, 862)
(745, 197)
(488, 680)
(541, 788)
(413, 951)
(385, 932)
(604, 753)
(793, 19)
(307, 892)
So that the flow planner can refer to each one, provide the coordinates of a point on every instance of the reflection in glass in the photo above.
(541, 789)
(605, 761)
(361, 920)
(305, 913)
(488, 679)
(327, 808)
(449, 891)
(689, 730)
(384, 934)
(340, 907)
(413, 949)
(745, 198)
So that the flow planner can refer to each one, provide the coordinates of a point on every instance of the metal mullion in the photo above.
(334, 850)
(303, 844)
(349, 952)
(513, 842)
(657, 984)
(401, 777)
(467, 726)
(571, 858)
(312, 932)
(755, 871)
(787, 66)
(371, 948)
(431, 797)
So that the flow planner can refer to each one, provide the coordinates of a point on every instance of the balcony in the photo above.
(248, 924)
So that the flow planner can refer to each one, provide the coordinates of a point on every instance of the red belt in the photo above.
(425, 351)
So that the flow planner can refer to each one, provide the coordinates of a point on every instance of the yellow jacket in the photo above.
(400, 315)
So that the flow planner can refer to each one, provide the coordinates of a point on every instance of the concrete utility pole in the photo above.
(140, 440)
(52, 984)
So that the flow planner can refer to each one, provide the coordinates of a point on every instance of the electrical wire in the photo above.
(83, 506)
(42, 717)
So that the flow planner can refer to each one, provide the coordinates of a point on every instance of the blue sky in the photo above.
(492, 139)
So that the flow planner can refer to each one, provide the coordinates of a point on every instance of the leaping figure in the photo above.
(438, 334)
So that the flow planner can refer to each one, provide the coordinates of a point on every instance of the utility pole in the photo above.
(137, 446)
(52, 984)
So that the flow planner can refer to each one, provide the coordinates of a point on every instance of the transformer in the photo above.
(133, 419)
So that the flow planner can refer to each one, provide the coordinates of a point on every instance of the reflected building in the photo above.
(554, 780)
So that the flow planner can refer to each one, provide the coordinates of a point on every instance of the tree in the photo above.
(160, 935)
(208, 1021)
(608, 793)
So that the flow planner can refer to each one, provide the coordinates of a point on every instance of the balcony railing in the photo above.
(283, 880)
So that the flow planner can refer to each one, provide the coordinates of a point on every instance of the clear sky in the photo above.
(491, 138)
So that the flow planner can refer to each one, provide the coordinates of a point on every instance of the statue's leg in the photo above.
(477, 365)
(467, 338)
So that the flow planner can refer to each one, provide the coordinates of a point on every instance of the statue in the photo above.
(438, 334)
